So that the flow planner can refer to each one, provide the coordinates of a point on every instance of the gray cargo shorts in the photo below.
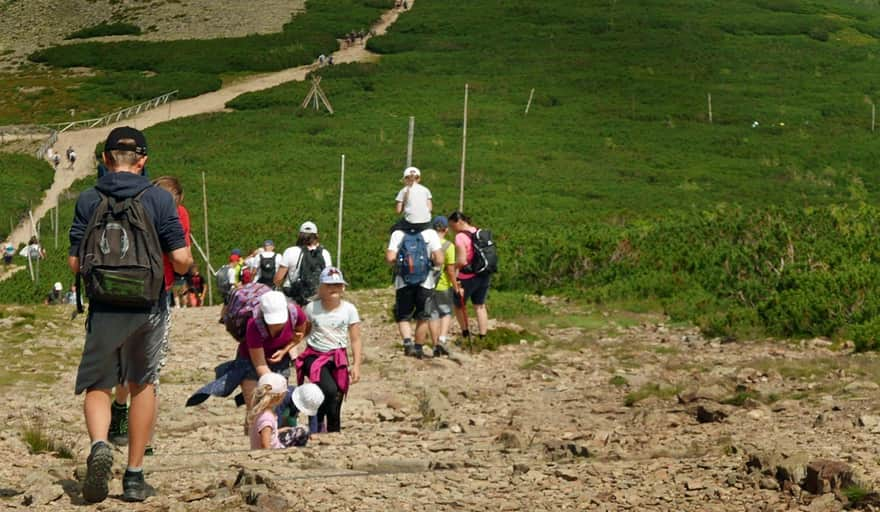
(122, 347)
(440, 303)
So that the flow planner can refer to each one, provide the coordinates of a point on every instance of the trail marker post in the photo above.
(409, 140)
(873, 116)
(207, 256)
(529, 104)
(463, 151)
(709, 98)
(315, 94)
(339, 220)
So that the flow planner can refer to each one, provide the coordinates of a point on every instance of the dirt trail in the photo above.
(638, 417)
(84, 141)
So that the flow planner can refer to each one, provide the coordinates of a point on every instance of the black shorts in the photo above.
(410, 303)
(476, 289)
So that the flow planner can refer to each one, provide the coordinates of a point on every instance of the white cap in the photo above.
(273, 305)
(308, 227)
(58, 287)
(332, 275)
(276, 381)
(411, 171)
(307, 398)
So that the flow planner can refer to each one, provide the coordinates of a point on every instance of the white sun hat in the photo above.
(307, 398)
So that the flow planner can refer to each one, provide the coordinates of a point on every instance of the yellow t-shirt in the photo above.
(448, 259)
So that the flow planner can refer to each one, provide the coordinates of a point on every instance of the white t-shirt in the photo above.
(290, 260)
(330, 328)
(434, 244)
(416, 209)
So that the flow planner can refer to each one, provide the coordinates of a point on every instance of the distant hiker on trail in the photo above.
(270, 335)
(56, 160)
(474, 281)
(8, 253)
(334, 326)
(33, 250)
(413, 254)
(441, 302)
(229, 276)
(196, 288)
(262, 420)
(68, 152)
(56, 296)
(70, 298)
(71, 156)
(300, 271)
(414, 201)
(264, 262)
(321, 59)
(126, 325)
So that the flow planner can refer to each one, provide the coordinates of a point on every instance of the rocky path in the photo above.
(84, 141)
(645, 417)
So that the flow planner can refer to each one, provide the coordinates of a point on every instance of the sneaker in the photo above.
(118, 433)
(441, 349)
(413, 350)
(135, 488)
(149, 451)
(98, 471)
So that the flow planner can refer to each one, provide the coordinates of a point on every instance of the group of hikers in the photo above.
(55, 158)
(287, 311)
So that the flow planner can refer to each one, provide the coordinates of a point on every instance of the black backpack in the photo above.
(120, 255)
(267, 270)
(311, 263)
(485, 258)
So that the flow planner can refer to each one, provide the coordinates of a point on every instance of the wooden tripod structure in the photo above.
(315, 94)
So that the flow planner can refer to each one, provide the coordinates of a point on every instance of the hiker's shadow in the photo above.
(73, 490)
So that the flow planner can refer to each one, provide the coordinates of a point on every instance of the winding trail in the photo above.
(84, 141)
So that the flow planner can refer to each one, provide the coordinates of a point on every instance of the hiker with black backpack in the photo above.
(301, 265)
(265, 262)
(413, 255)
(121, 228)
(476, 261)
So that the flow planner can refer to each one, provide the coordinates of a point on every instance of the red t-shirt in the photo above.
(253, 339)
(169, 270)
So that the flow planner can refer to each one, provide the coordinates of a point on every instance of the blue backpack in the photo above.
(413, 263)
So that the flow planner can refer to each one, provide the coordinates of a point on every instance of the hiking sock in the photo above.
(130, 469)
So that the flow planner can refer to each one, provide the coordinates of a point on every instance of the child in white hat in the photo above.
(414, 201)
(262, 419)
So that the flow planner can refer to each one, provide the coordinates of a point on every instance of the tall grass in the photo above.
(24, 179)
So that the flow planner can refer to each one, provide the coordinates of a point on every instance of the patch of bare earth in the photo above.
(638, 418)
(29, 25)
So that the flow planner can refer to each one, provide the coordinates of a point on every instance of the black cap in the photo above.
(126, 132)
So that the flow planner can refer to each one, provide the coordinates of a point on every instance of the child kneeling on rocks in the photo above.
(262, 419)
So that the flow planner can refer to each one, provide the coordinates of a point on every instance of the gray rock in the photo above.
(391, 465)
(825, 503)
(861, 385)
(509, 440)
(869, 421)
(824, 476)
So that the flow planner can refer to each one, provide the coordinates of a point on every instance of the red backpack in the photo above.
(247, 275)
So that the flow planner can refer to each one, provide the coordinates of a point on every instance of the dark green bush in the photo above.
(106, 29)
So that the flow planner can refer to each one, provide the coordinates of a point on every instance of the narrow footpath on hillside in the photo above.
(84, 141)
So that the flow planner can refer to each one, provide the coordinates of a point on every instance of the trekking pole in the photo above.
(339, 222)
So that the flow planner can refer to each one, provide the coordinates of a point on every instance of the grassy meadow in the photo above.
(615, 187)
(24, 179)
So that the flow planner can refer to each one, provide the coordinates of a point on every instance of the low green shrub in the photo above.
(106, 29)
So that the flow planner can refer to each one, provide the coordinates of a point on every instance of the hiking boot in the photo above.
(118, 433)
(99, 466)
(135, 488)
(149, 451)
(413, 350)
(441, 349)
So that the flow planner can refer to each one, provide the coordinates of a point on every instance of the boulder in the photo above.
(824, 476)
(709, 412)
